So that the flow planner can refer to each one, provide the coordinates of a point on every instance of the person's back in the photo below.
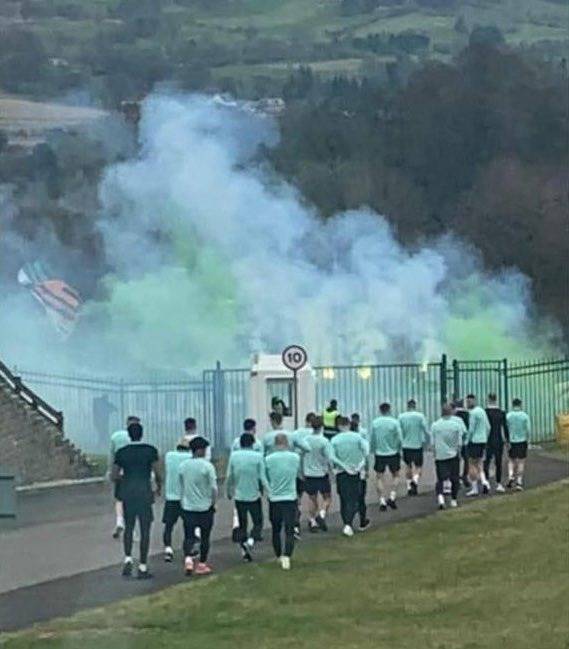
(447, 434)
(119, 439)
(478, 426)
(385, 436)
(518, 426)
(136, 460)
(413, 429)
(350, 451)
(497, 419)
(281, 469)
(172, 462)
(317, 462)
(245, 474)
(198, 484)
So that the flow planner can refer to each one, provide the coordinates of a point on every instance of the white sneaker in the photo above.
(472, 493)
(251, 542)
(347, 531)
(285, 563)
(500, 489)
(168, 554)
(454, 504)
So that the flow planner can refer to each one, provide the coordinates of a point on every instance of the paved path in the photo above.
(58, 558)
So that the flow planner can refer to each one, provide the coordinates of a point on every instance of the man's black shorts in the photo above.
(172, 511)
(314, 486)
(391, 462)
(518, 451)
(141, 509)
(413, 456)
(299, 487)
(476, 451)
(447, 469)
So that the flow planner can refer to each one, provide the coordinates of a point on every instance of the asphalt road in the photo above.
(58, 558)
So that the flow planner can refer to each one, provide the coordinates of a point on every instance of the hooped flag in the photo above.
(61, 302)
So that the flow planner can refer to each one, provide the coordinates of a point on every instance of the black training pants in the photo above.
(349, 490)
(203, 520)
(255, 510)
(448, 470)
(362, 507)
(142, 511)
(495, 452)
(283, 514)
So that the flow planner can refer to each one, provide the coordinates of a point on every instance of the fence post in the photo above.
(218, 409)
(455, 379)
(506, 383)
(121, 400)
(444, 390)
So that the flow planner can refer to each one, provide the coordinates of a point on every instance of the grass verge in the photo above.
(493, 574)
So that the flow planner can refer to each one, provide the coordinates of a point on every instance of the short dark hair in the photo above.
(246, 440)
(333, 402)
(198, 443)
(384, 408)
(342, 421)
(471, 396)
(355, 415)
(249, 424)
(317, 422)
(190, 423)
(132, 419)
(492, 396)
(276, 417)
(411, 403)
(516, 402)
(135, 431)
(309, 417)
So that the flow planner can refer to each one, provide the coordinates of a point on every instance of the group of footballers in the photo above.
(284, 465)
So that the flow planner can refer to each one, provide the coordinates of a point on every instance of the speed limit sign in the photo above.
(295, 357)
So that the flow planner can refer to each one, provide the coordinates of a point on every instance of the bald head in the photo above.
(447, 410)
(281, 441)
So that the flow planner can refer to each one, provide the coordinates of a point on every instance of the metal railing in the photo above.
(219, 399)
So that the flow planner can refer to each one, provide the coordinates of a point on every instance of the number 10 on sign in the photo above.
(295, 358)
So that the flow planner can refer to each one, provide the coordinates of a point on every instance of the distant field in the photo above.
(493, 574)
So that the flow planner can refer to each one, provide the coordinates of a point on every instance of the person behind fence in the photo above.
(415, 432)
(282, 467)
(250, 427)
(498, 434)
(478, 431)
(133, 467)
(329, 417)
(385, 444)
(316, 468)
(301, 435)
(173, 494)
(119, 439)
(518, 431)
(462, 413)
(447, 434)
(356, 427)
(350, 455)
(244, 478)
(198, 483)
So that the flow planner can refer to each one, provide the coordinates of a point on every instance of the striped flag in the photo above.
(61, 302)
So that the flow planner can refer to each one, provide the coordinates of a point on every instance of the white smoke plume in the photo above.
(214, 257)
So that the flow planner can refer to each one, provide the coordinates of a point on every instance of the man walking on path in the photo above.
(495, 447)
(446, 437)
(350, 455)
(198, 482)
(385, 443)
(173, 494)
(364, 473)
(282, 467)
(119, 439)
(245, 474)
(316, 467)
(250, 427)
(478, 431)
(414, 433)
(518, 430)
(294, 440)
(133, 467)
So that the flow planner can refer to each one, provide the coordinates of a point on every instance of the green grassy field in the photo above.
(494, 574)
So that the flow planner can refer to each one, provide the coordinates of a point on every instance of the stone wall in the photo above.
(33, 447)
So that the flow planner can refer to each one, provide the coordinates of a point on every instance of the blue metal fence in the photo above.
(219, 399)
